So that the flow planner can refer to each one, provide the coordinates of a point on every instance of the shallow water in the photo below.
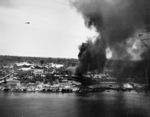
(105, 104)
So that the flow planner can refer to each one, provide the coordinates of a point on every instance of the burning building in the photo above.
(118, 23)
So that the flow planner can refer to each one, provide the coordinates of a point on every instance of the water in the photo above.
(105, 104)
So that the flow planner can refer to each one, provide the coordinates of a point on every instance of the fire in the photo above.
(108, 53)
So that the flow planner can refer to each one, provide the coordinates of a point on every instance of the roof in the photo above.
(23, 63)
(25, 69)
(56, 65)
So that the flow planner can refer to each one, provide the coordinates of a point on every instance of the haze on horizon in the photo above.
(49, 28)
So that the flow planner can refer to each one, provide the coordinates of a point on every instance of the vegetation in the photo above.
(4, 60)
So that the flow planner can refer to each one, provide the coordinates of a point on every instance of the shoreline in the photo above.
(80, 90)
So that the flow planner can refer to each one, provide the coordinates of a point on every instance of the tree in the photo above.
(42, 61)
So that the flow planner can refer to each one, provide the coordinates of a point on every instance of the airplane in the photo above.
(27, 22)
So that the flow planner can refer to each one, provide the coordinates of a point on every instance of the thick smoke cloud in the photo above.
(117, 21)
(92, 57)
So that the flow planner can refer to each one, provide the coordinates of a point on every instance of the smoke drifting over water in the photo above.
(117, 22)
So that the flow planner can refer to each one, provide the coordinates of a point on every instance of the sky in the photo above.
(55, 28)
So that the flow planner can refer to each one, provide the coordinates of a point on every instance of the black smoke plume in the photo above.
(116, 21)
(91, 56)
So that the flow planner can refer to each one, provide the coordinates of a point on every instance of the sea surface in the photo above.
(104, 104)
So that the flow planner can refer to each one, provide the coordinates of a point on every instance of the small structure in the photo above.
(56, 65)
(127, 86)
(22, 66)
